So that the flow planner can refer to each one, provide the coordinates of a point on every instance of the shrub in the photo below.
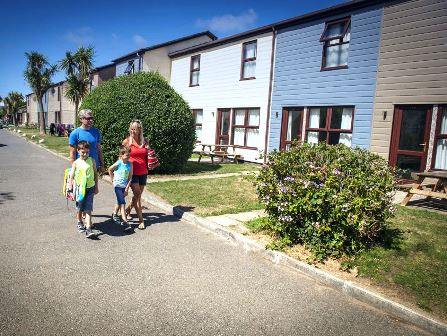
(333, 199)
(167, 120)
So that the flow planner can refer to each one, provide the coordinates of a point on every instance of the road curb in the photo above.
(349, 288)
(353, 290)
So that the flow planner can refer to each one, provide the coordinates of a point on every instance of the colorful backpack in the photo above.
(75, 191)
(80, 182)
(67, 188)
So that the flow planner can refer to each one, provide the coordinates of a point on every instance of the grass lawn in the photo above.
(416, 259)
(209, 197)
(195, 168)
(54, 143)
(413, 261)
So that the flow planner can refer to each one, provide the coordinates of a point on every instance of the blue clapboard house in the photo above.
(325, 71)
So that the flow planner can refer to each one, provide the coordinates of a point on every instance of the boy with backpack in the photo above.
(121, 174)
(84, 179)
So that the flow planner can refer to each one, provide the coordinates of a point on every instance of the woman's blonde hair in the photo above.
(140, 126)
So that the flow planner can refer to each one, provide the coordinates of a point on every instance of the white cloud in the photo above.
(228, 22)
(139, 40)
(80, 36)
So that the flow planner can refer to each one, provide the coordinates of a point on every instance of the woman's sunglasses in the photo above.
(88, 118)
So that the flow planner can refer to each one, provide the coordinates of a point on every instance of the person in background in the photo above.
(52, 129)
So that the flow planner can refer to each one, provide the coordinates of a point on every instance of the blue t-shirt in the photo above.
(92, 136)
(121, 174)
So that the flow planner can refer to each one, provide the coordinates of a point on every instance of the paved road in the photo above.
(170, 279)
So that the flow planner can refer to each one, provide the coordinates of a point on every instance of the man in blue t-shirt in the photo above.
(87, 133)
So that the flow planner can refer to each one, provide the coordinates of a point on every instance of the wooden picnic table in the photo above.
(216, 150)
(435, 183)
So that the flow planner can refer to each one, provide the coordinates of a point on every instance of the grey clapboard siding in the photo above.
(413, 62)
(299, 81)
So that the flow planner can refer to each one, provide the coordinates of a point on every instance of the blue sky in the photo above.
(54, 27)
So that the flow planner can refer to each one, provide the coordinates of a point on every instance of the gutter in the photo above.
(269, 103)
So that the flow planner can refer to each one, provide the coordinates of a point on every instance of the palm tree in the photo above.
(38, 74)
(77, 67)
(13, 102)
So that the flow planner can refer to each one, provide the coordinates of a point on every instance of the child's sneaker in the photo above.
(89, 233)
(116, 218)
(126, 226)
(80, 226)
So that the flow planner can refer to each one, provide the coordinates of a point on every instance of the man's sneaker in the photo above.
(80, 226)
(116, 218)
(89, 233)
(126, 226)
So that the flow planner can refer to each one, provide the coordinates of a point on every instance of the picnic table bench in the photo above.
(434, 182)
(220, 151)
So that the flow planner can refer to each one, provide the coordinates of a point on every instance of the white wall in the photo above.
(158, 59)
(220, 86)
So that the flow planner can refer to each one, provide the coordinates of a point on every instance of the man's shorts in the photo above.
(87, 203)
(120, 198)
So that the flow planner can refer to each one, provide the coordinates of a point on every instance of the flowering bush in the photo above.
(333, 199)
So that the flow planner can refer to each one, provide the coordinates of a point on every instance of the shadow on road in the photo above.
(107, 226)
(179, 210)
(3, 145)
(6, 196)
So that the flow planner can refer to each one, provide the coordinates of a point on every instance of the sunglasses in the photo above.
(88, 118)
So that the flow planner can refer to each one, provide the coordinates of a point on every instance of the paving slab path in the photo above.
(171, 279)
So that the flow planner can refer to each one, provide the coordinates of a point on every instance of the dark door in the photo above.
(410, 137)
(223, 127)
(291, 126)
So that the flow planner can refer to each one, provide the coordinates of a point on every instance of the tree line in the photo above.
(38, 73)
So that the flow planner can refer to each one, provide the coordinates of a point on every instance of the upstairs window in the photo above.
(335, 38)
(248, 66)
(130, 67)
(194, 71)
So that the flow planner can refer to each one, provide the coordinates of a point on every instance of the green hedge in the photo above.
(333, 199)
(167, 120)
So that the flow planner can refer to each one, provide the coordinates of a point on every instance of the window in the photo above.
(195, 71)
(130, 67)
(332, 125)
(245, 129)
(291, 126)
(336, 37)
(440, 161)
(248, 66)
(198, 118)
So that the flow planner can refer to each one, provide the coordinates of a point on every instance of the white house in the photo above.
(155, 58)
(226, 83)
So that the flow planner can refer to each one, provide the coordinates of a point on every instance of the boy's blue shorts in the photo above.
(87, 203)
(120, 198)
